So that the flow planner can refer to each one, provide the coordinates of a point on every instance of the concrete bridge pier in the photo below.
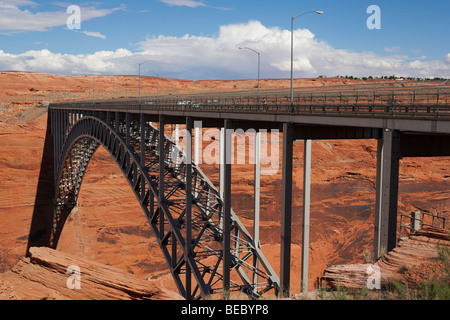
(286, 210)
(388, 156)
(286, 207)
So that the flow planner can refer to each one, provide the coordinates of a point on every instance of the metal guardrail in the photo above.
(418, 220)
(385, 99)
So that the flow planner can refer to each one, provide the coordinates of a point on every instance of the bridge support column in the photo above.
(286, 208)
(188, 187)
(388, 156)
(142, 125)
(162, 165)
(117, 121)
(222, 163)
(226, 242)
(257, 198)
(306, 213)
(197, 142)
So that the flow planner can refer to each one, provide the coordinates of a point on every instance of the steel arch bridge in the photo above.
(182, 206)
(206, 247)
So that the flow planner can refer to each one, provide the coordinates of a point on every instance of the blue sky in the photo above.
(199, 39)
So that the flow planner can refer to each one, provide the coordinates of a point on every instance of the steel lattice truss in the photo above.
(135, 145)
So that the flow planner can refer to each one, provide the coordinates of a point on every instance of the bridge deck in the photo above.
(419, 107)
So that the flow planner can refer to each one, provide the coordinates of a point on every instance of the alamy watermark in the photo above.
(374, 279)
(242, 145)
(374, 20)
(73, 22)
(74, 280)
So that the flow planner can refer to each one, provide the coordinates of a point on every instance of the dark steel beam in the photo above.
(226, 244)
(421, 145)
(317, 132)
(161, 197)
(188, 188)
(117, 121)
(286, 208)
(142, 125)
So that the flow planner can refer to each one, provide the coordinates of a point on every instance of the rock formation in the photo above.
(53, 275)
(419, 249)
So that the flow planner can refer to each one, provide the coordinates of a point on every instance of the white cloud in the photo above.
(447, 58)
(191, 4)
(14, 19)
(121, 61)
(94, 34)
(186, 3)
(218, 56)
(205, 57)
(392, 49)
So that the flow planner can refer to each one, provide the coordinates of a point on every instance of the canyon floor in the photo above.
(109, 227)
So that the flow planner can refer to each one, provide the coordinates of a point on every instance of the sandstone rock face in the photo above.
(419, 249)
(53, 275)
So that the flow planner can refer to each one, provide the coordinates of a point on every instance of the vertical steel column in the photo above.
(128, 125)
(63, 124)
(286, 208)
(162, 166)
(222, 156)
(176, 135)
(256, 215)
(227, 208)
(142, 134)
(377, 252)
(306, 213)
(197, 142)
(55, 151)
(143, 155)
(56, 135)
(388, 157)
(60, 136)
(198, 147)
(188, 188)
(128, 138)
(152, 196)
(117, 124)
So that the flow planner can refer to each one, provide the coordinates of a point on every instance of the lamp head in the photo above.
(319, 12)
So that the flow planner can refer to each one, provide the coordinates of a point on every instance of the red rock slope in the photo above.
(44, 276)
(415, 253)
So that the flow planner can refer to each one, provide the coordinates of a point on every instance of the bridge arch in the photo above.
(134, 145)
(83, 141)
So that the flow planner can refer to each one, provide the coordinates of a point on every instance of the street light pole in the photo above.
(140, 78)
(292, 51)
(259, 64)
